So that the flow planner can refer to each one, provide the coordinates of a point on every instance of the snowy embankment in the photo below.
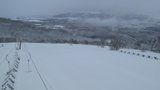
(84, 67)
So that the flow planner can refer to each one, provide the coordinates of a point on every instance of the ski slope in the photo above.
(82, 67)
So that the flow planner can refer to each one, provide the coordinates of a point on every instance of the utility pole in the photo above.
(28, 61)
(19, 40)
(20, 44)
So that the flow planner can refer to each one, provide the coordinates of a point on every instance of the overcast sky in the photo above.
(15, 8)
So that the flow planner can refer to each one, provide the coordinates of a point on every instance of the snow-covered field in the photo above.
(81, 67)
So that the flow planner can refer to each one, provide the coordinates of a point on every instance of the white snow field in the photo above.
(82, 67)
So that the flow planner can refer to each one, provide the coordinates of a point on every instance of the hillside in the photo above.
(28, 32)
(118, 31)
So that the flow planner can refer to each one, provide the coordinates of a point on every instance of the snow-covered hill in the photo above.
(111, 20)
(132, 31)
(82, 67)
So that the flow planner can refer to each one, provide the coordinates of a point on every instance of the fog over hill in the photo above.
(120, 31)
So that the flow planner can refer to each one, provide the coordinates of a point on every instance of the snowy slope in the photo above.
(85, 67)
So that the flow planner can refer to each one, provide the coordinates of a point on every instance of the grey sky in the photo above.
(13, 8)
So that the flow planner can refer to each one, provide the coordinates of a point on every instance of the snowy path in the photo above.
(84, 67)
(81, 67)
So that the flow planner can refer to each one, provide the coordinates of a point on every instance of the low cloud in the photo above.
(14, 8)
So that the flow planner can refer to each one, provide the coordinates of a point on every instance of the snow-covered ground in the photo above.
(83, 67)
